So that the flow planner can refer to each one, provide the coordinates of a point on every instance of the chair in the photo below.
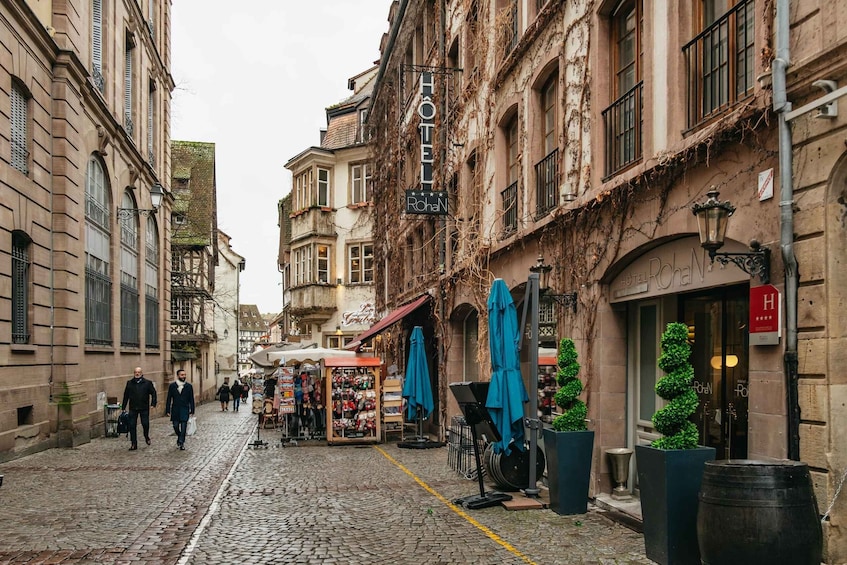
(269, 414)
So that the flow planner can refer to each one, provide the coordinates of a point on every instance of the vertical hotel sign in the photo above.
(425, 200)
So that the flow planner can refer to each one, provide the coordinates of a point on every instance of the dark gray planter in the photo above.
(568, 469)
(669, 482)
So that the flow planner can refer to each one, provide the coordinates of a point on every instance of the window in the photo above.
(302, 262)
(720, 59)
(472, 41)
(151, 124)
(509, 21)
(323, 188)
(323, 264)
(361, 185)
(128, 83)
(151, 18)
(360, 263)
(361, 132)
(20, 287)
(97, 44)
(303, 190)
(19, 126)
(547, 170)
(98, 279)
(510, 193)
(151, 285)
(181, 309)
(622, 120)
(129, 275)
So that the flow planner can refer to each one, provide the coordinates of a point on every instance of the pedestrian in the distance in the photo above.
(180, 406)
(139, 396)
(235, 393)
(223, 395)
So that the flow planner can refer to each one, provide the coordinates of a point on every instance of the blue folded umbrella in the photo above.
(416, 387)
(506, 393)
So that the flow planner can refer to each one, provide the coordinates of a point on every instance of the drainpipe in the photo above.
(786, 204)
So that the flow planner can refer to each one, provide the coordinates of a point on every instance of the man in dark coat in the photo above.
(180, 406)
(139, 396)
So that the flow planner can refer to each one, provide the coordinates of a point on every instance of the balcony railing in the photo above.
(547, 183)
(720, 62)
(510, 208)
(622, 121)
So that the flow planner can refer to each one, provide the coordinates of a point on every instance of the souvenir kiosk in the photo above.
(353, 399)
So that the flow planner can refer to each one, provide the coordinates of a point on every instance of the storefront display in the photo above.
(547, 387)
(353, 399)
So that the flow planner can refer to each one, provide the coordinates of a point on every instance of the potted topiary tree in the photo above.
(671, 469)
(568, 445)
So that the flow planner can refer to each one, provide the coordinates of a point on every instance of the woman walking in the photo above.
(223, 395)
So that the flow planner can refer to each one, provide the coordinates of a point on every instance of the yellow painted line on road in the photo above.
(494, 537)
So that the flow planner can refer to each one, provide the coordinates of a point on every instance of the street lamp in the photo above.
(156, 195)
(566, 299)
(712, 220)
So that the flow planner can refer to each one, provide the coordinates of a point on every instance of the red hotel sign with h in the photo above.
(765, 315)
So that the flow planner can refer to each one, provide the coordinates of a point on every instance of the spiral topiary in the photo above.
(574, 411)
(672, 421)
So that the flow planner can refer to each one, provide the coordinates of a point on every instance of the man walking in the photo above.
(139, 396)
(180, 406)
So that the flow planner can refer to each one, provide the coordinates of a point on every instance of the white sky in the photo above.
(255, 77)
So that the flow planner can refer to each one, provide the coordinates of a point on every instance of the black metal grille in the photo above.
(129, 317)
(151, 322)
(510, 208)
(20, 283)
(98, 306)
(622, 121)
(720, 63)
(547, 183)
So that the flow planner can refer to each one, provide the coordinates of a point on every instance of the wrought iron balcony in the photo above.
(510, 208)
(622, 123)
(547, 183)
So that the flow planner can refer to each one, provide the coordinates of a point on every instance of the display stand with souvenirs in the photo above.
(353, 400)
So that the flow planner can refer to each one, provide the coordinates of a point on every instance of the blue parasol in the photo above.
(416, 387)
(506, 393)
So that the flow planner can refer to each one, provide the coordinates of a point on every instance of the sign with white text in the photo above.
(765, 315)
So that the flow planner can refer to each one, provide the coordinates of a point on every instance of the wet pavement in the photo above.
(224, 501)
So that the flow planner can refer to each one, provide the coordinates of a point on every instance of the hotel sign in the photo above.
(425, 200)
(765, 315)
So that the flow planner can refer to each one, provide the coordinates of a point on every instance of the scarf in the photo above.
(179, 385)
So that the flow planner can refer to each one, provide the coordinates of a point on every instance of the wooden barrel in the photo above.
(758, 512)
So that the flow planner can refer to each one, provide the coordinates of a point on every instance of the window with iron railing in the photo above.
(510, 208)
(622, 123)
(547, 183)
(510, 27)
(19, 106)
(20, 287)
(720, 63)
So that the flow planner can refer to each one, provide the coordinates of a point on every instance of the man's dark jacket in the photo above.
(136, 395)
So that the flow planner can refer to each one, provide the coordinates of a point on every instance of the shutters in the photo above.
(128, 84)
(20, 154)
(97, 43)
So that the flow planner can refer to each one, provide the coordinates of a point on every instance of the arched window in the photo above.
(151, 285)
(129, 275)
(98, 279)
(20, 287)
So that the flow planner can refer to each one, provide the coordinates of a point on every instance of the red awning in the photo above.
(388, 321)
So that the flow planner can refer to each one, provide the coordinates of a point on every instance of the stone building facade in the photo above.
(326, 244)
(226, 298)
(86, 90)
(583, 133)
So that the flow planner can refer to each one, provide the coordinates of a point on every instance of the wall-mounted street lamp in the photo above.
(156, 195)
(566, 300)
(712, 219)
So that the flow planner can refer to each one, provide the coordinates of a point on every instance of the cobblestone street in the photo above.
(222, 501)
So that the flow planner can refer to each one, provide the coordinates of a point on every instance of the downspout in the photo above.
(786, 204)
(442, 54)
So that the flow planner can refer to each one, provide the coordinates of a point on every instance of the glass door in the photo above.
(717, 329)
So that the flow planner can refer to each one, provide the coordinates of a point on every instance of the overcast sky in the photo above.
(255, 77)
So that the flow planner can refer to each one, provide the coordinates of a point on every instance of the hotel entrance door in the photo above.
(717, 328)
